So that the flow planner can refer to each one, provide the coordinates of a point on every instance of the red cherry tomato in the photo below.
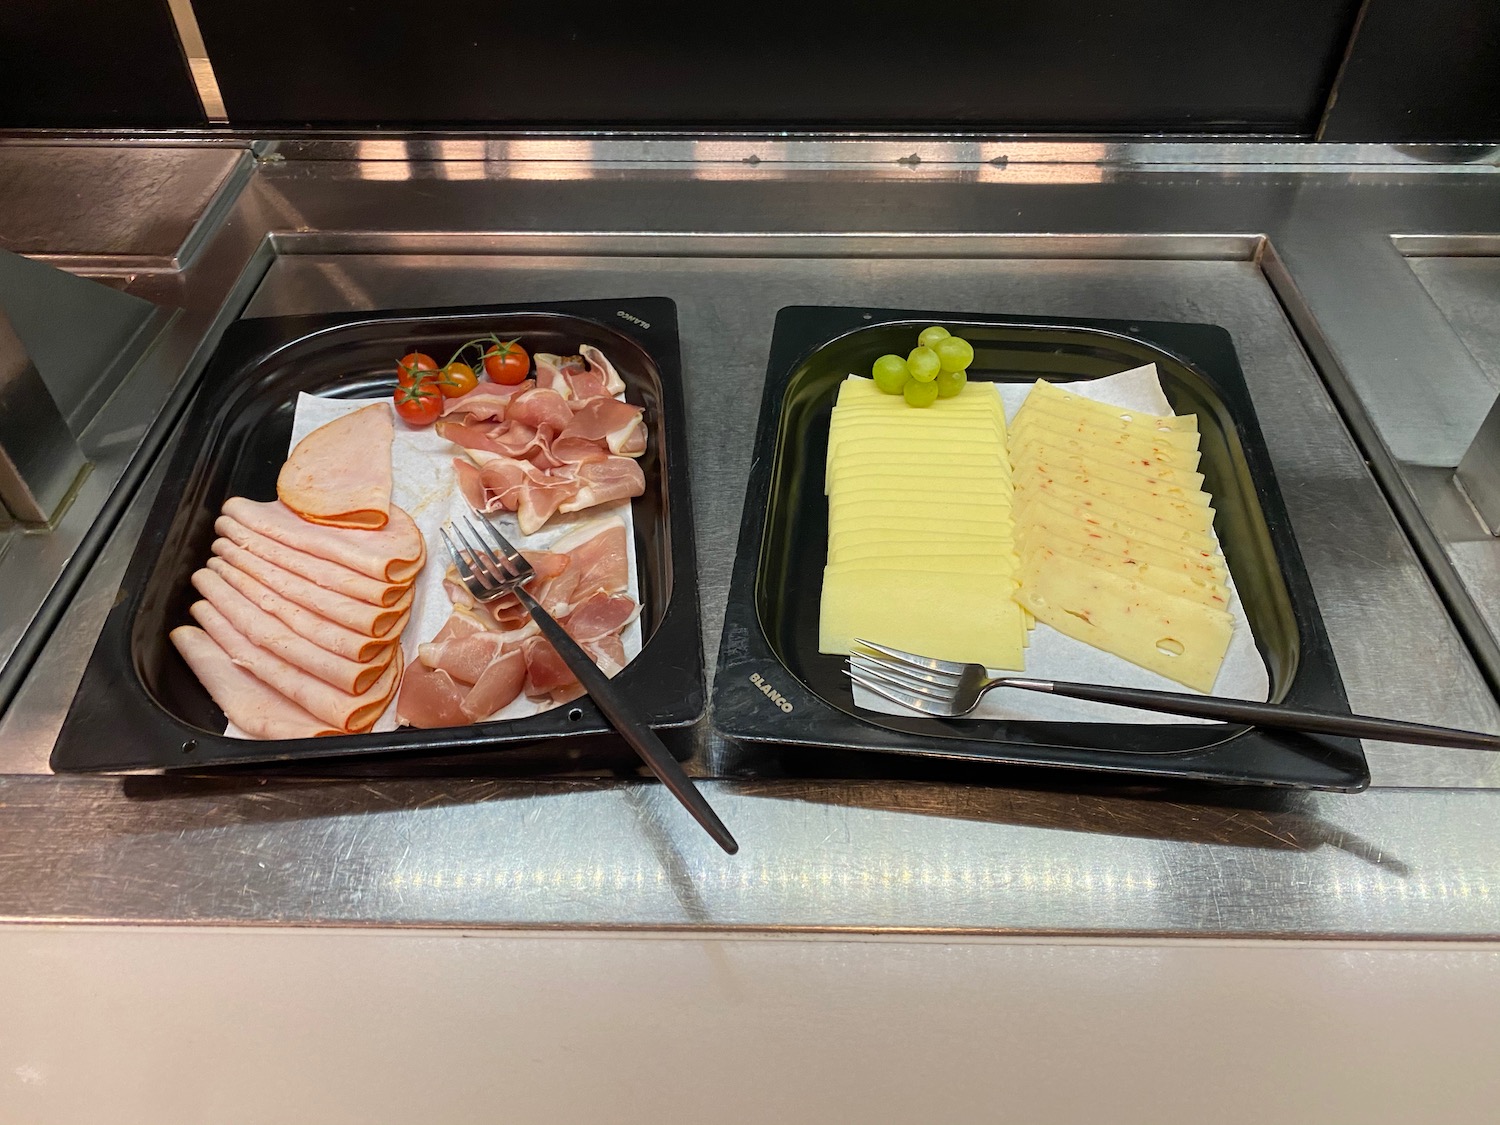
(457, 379)
(506, 362)
(415, 366)
(419, 404)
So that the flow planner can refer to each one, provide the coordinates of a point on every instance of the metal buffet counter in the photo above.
(1351, 277)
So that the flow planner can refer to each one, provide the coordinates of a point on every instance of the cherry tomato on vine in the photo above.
(415, 366)
(506, 362)
(419, 404)
(456, 379)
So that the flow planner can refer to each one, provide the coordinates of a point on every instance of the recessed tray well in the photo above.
(774, 686)
(140, 707)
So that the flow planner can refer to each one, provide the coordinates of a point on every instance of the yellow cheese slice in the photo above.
(911, 484)
(1000, 570)
(1201, 589)
(855, 390)
(1041, 516)
(1127, 447)
(1065, 420)
(1043, 393)
(1000, 558)
(1128, 521)
(962, 617)
(1177, 483)
(843, 505)
(1102, 495)
(937, 527)
(988, 404)
(1170, 636)
(991, 539)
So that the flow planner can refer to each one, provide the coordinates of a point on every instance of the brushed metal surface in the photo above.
(39, 459)
(732, 242)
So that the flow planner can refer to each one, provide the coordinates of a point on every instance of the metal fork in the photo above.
(949, 689)
(491, 568)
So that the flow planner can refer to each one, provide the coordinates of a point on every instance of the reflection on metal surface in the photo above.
(40, 462)
(1045, 854)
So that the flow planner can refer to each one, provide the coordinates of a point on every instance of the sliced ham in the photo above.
(540, 407)
(488, 401)
(550, 374)
(599, 554)
(329, 575)
(464, 658)
(258, 710)
(599, 482)
(347, 711)
(319, 630)
(602, 369)
(340, 474)
(500, 683)
(599, 616)
(362, 617)
(611, 421)
(264, 630)
(546, 671)
(609, 653)
(429, 698)
(394, 553)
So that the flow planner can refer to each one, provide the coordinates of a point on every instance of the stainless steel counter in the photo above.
(1293, 254)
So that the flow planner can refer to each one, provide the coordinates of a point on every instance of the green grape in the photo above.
(890, 374)
(949, 383)
(920, 394)
(930, 336)
(923, 363)
(954, 354)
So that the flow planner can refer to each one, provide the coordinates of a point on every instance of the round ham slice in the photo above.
(258, 710)
(371, 620)
(340, 474)
(394, 553)
(270, 634)
(341, 709)
(329, 575)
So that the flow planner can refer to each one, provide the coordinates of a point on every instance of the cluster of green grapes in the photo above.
(935, 368)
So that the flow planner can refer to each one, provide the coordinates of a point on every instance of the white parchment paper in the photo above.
(424, 484)
(1057, 657)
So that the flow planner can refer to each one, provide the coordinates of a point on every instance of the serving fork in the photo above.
(490, 567)
(948, 689)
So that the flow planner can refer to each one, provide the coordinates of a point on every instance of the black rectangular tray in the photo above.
(140, 707)
(773, 685)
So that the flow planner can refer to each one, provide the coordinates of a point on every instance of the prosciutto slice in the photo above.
(262, 629)
(329, 575)
(362, 617)
(319, 630)
(499, 684)
(430, 698)
(340, 474)
(600, 616)
(618, 424)
(394, 553)
(258, 710)
(488, 401)
(539, 407)
(599, 482)
(346, 711)
(601, 369)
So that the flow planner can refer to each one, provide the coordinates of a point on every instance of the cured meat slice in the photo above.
(540, 407)
(552, 372)
(371, 620)
(576, 451)
(340, 474)
(394, 553)
(488, 401)
(329, 575)
(611, 421)
(348, 712)
(497, 686)
(600, 558)
(262, 629)
(258, 710)
(602, 369)
(319, 630)
(429, 698)
(600, 615)
(599, 482)
(609, 653)
(546, 671)
(464, 658)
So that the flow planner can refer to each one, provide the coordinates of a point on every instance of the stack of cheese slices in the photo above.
(1115, 534)
(921, 531)
(304, 600)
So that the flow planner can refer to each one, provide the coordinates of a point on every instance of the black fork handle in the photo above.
(641, 737)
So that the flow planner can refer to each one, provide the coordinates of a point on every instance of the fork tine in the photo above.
(896, 680)
(515, 562)
(465, 571)
(952, 667)
(910, 671)
(481, 559)
(911, 702)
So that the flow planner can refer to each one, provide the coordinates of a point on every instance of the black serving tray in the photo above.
(140, 707)
(774, 686)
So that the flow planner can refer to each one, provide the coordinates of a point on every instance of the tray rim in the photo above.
(248, 346)
(797, 337)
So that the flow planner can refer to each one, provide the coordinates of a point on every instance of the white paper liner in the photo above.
(424, 484)
(1054, 656)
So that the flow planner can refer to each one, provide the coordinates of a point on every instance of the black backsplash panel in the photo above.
(1171, 65)
(93, 64)
(1421, 71)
